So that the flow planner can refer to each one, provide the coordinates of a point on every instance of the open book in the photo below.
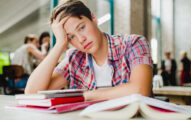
(129, 106)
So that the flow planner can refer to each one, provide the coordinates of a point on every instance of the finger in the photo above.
(61, 22)
(58, 17)
(64, 20)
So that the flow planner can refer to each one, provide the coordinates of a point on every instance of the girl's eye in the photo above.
(72, 37)
(82, 28)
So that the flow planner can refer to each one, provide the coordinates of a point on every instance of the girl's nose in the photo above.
(82, 38)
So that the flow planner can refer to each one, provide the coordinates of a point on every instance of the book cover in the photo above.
(44, 96)
(50, 102)
(62, 108)
(73, 106)
(62, 91)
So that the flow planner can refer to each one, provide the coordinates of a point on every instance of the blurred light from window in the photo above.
(154, 50)
(104, 19)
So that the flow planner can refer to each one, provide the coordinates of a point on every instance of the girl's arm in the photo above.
(42, 77)
(140, 82)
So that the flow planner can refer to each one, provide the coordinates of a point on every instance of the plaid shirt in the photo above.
(124, 53)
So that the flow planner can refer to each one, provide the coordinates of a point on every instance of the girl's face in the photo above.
(83, 34)
(46, 40)
(35, 42)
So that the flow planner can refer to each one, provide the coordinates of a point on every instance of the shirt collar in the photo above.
(87, 60)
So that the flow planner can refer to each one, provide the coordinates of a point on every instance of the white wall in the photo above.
(122, 16)
(182, 27)
(35, 21)
(167, 26)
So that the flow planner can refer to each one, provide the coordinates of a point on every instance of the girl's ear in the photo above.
(94, 19)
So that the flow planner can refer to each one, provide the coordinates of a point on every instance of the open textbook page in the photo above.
(136, 103)
(153, 113)
(146, 111)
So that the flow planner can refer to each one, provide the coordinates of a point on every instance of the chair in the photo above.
(12, 72)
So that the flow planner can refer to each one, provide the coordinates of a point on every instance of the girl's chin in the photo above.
(90, 51)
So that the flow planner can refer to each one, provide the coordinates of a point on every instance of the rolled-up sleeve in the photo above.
(63, 67)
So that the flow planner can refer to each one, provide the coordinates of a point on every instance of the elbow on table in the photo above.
(30, 91)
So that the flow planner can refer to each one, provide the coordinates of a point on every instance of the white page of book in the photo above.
(61, 91)
(134, 98)
(110, 104)
(164, 105)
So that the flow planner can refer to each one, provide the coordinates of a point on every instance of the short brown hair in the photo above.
(29, 37)
(74, 8)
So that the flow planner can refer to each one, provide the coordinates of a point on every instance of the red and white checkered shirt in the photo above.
(124, 53)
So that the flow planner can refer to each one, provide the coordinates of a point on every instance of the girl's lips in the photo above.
(88, 45)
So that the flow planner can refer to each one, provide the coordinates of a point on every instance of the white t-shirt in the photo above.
(103, 75)
(168, 65)
(23, 58)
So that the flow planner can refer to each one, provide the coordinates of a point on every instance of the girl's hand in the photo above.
(59, 31)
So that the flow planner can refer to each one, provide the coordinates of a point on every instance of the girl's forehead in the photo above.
(73, 22)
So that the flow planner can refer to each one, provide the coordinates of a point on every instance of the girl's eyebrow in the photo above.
(76, 27)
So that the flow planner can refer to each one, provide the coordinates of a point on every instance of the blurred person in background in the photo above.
(44, 42)
(44, 39)
(168, 73)
(185, 68)
(24, 56)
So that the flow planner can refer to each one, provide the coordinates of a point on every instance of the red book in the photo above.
(54, 109)
(50, 102)
(73, 106)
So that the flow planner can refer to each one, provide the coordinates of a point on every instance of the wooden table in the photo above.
(6, 114)
(176, 94)
(187, 84)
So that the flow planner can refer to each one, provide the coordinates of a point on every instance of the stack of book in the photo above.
(60, 101)
(52, 101)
